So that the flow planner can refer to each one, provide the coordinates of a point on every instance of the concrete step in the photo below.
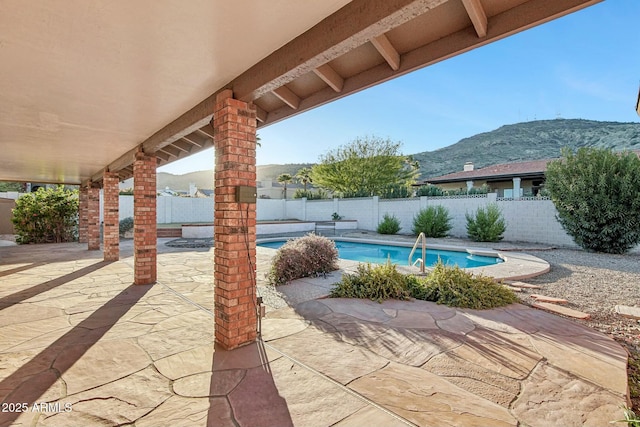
(628, 311)
(523, 285)
(558, 309)
(544, 298)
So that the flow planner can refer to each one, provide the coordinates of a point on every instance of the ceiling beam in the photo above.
(287, 96)
(261, 115)
(388, 52)
(353, 25)
(162, 155)
(330, 77)
(207, 130)
(184, 145)
(196, 138)
(171, 150)
(524, 16)
(478, 16)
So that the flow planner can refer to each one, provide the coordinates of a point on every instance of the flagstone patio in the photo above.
(80, 345)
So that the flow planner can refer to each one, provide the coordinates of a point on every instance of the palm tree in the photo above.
(304, 176)
(285, 178)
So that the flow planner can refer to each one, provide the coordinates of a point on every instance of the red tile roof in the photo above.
(506, 170)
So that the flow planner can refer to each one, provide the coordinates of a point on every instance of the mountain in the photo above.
(535, 140)
(204, 179)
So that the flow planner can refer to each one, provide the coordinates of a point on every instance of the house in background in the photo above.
(512, 180)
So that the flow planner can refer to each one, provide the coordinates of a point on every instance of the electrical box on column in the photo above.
(246, 194)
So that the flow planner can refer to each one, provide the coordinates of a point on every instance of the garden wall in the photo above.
(528, 219)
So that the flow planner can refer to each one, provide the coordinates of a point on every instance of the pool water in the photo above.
(379, 254)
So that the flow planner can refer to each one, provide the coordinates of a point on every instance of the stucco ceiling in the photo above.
(84, 83)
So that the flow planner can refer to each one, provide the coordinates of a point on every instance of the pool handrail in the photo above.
(421, 238)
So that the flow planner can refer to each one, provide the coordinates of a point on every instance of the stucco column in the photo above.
(516, 188)
(110, 215)
(93, 218)
(235, 310)
(144, 219)
(83, 206)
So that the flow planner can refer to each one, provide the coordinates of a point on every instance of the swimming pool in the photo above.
(380, 253)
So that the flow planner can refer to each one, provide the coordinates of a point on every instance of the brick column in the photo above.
(111, 229)
(144, 219)
(93, 218)
(82, 214)
(235, 311)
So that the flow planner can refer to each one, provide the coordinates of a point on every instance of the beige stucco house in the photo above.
(508, 180)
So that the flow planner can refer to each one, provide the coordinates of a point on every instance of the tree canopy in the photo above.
(364, 167)
(597, 195)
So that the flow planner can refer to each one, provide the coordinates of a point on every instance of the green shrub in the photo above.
(376, 283)
(46, 216)
(395, 191)
(630, 418)
(125, 225)
(488, 224)
(451, 286)
(310, 195)
(433, 221)
(303, 257)
(596, 193)
(455, 287)
(389, 225)
(335, 216)
(429, 190)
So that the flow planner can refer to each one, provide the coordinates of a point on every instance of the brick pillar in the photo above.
(144, 219)
(93, 218)
(235, 311)
(82, 214)
(111, 229)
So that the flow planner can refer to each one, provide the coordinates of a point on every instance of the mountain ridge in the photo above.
(533, 140)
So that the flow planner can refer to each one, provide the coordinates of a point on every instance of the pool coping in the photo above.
(516, 265)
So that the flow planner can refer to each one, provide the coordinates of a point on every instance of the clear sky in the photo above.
(585, 65)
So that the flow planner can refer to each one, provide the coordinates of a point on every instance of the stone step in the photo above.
(558, 309)
(544, 298)
(523, 285)
(628, 311)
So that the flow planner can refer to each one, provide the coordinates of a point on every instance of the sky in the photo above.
(582, 66)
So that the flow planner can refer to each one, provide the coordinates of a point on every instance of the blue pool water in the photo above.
(378, 254)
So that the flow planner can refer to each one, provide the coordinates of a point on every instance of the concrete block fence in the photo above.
(528, 220)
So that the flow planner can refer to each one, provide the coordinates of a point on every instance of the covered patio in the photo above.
(80, 345)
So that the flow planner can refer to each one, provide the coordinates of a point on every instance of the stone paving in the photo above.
(81, 346)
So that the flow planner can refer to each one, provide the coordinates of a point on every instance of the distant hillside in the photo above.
(271, 172)
(510, 143)
(204, 179)
(528, 141)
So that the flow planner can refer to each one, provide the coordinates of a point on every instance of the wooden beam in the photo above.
(172, 151)
(207, 130)
(123, 161)
(162, 155)
(184, 145)
(196, 138)
(330, 77)
(478, 16)
(388, 52)
(353, 25)
(261, 115)
(514, 20)
(287, 96)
